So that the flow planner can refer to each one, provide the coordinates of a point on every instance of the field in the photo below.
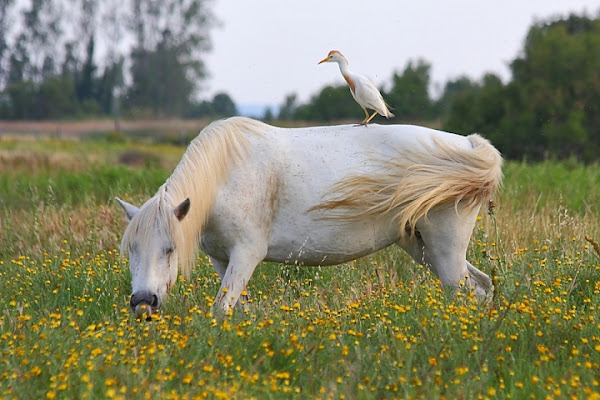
(379, 327)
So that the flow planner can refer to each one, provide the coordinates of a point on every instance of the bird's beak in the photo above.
(323, 60)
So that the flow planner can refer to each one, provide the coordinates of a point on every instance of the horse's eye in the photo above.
(169, 250)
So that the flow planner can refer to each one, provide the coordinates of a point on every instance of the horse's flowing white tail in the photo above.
(409, 186)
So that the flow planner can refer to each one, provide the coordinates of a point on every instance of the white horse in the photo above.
(245, 192)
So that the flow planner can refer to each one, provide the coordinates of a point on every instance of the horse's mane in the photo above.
(204, 165)
(414, 182)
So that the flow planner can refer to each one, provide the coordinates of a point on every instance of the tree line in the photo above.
(90, 58)
(550, 108)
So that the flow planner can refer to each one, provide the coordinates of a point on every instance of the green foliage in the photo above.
(21, 97)
(409, 96)
(221, 106)
(288, 108)
(453, 88)
(331, 104)
(55, 99)
(551, 106)
(268, 116)
(167, 96)
(224, 105)
(472, 106)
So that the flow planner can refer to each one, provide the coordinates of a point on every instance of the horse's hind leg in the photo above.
(441, 243)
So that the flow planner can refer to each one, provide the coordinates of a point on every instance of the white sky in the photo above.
(266, 49)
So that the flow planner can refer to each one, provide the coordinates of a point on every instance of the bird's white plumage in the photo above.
(363, 90)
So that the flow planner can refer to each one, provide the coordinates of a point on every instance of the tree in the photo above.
(474, 106)
(268, 116)
(39, 36)
(333, 103)
(288, 108)
(409, 96)
(5, 11)
(557, 79)
(109, 85)
(223, 105)
(19, 62)
(21, 96)
(86, 79)
(551, 107)
(55, 98)
(454, 89)
(167, 65)
(69, 67)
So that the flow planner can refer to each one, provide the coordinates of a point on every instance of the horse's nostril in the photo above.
(144, 297)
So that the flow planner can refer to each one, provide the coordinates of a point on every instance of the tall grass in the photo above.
(59, 191)
(379, 327)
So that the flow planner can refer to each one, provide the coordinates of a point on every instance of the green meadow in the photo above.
(380, 327)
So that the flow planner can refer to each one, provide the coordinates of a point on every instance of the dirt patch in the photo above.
(135, 158)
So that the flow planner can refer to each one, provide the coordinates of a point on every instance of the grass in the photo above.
(380, 327)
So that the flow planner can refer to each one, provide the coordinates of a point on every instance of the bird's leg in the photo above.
(364, 121)
(370, 118)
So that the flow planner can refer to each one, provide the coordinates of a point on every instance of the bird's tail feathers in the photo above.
(388, 114)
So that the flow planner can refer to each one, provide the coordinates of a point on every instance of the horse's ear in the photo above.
(130, 210)
(182, 209)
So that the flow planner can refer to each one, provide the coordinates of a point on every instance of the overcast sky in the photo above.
(266, 49)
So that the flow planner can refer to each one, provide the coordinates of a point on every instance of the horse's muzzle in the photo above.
(144, 302)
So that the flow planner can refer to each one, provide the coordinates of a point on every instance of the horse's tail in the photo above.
(417, 181)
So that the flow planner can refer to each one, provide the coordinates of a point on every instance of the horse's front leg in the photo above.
(240, 268)
(220, 268)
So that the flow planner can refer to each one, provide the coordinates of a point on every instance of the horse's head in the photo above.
(151, 240)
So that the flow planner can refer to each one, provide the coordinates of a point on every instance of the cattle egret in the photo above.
(363, 90)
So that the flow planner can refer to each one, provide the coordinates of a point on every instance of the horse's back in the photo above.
(331, 152)
(354, 141)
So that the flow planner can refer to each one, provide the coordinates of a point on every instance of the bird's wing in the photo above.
(367, 95)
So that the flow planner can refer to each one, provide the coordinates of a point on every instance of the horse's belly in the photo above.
(329, 243)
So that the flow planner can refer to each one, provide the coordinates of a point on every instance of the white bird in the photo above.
(363, 90)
